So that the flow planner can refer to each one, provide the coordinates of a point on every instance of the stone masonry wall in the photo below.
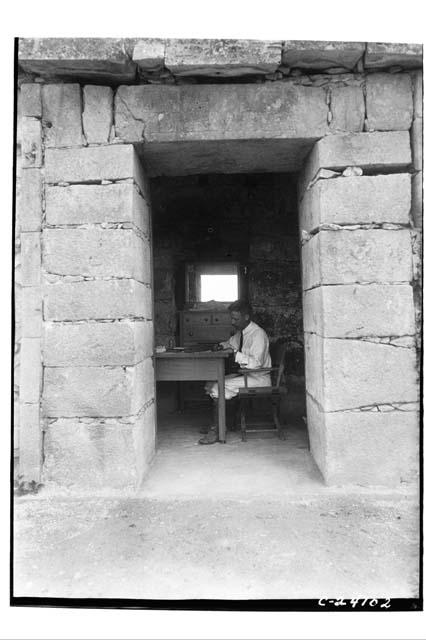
(87, 298)
(359, 320)
(87, 330)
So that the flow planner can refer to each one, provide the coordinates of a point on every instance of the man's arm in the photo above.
(256, 357)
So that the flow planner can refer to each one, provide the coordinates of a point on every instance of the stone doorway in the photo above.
(90, 351)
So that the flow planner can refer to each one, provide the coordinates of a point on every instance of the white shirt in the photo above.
(255, 351)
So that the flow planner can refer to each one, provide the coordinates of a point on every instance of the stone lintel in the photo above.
(380, 55)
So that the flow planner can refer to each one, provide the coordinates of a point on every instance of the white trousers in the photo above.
(233, 382)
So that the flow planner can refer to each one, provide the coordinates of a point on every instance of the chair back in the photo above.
(278, 352)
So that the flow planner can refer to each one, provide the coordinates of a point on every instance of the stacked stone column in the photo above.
(359, 321)
(30, 217)
(96, 338)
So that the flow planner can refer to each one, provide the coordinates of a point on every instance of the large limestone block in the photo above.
(31, 100)
(360, 256)
(380, 55)
(149, 54)
(351, 311)
(89, 454)
(320, 55)
(389, 102)
(105, 59)
(30, 370)
(163, 113)
(145, 441)
(368, 448)
(96, 343)
(347, 109)
(417, 78)
(62, 115)
(31, 312)
(417, 199)
(358, 200)
(222, 57)
(32, 155)
(82, 204)
(113, 162)
(118, 253)
(376, 152)
(97, 113)
(30, 443)
(144, 385)
(30, 259)
(29, 203)
(350, 374)
(416, 136)
(88, 391)
(97, 300)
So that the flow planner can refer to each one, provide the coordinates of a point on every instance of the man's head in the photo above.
(241, 313)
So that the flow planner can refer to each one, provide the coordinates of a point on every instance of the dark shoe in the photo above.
(210, 438)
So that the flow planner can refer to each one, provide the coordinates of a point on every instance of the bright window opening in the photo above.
(222, 288)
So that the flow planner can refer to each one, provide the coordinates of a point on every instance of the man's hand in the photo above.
(217, 347)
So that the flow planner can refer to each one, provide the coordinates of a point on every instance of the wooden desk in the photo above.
(198, 365)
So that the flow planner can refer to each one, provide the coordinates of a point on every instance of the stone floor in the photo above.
(236, 521)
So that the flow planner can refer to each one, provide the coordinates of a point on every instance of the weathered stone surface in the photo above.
(145, 441)
(380, 55)
(62, 115)
(114, 162)
(389, 102)
(256, 155)
(29, 203)
(86, 455)
(32, 155)
(370, 448)
(31, 312)
(81, 204)
(365, 199)
(417, 78)
(144, 384)
(350, 311)
(149, 54)
(416, 135)
(30, 452)
(30, 259)
(30, 370)
(97, 343)
(155, 113)
(98, 58)
(372, 151)
(97, 299)
(361, 256)
(99, 453)
(417, 199)
(347, 109)
(31, 100)
(222, 57)
(97, 113)
(319, 55)
(350, 374)
(118, 253)
(88, 391)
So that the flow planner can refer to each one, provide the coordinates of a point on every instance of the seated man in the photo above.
(251, 349)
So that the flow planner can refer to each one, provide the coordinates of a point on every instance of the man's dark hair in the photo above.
(242, 306)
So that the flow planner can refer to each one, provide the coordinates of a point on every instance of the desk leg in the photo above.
(221, 402)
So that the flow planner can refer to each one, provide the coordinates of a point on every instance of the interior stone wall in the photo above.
(251, 219)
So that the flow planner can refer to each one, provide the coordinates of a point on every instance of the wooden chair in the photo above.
(247, 395)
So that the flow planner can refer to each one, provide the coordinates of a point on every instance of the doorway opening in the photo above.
(242, 228)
